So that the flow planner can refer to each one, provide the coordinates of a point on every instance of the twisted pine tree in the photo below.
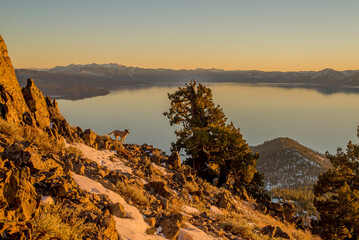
(215, 148)
(337, 195)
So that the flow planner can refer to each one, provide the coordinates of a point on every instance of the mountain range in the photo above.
(77, 81)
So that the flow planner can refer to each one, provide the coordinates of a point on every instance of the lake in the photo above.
(320, 121)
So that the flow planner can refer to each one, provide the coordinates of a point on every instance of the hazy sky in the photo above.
(229, 34)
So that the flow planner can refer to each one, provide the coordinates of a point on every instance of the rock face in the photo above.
(28, 106)
(175, 160)
(13, 107)
(36, 102)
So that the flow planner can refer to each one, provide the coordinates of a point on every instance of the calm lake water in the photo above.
(320, 121)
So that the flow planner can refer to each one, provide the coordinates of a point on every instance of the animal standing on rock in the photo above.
(121, 134)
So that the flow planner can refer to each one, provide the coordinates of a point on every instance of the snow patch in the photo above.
(131, 227)
(190, 232)
(47, 200)
(215, 210)
(102, 157)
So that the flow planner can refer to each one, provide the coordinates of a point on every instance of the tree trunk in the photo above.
(222, 179)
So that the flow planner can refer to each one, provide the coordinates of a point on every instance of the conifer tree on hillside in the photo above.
(215, 148)
(337, 195)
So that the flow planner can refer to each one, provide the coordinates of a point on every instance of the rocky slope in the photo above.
(93, 188)
(287, 164)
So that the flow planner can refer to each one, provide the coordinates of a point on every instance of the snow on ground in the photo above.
(215, 210)
(47, 200)
(129, 228)
(133, 226)
(190, 232)
(102, 157)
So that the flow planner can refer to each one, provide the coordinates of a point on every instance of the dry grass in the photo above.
(59, 222)
(238, 226)
(190, 186)
(73, 150)
(33, 135)
(136, 194)
(42, 140)
(10, 130)
(247, 219)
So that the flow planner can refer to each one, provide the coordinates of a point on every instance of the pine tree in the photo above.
(337, 195)
(214, 147)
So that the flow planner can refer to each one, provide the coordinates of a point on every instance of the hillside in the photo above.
(60, 182)
(286, 163)
(97, 79)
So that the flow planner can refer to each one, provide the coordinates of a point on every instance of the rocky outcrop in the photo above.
(171, 225)
(36, 102)
(225, 201)
(18, 200)
(174, 160)
(13, 107)
(89, 138)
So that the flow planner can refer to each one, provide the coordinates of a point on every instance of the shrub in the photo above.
(238, 226)
(11, 130)
(133, 192)
(59, 222)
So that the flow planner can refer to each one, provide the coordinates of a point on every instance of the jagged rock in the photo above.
(289, 211)
(115, 177)
(151, 221)
(17, 193)
(15, 230)
(274, 232)
(179, 178)
(174, 160)
(63, 189)
(118, 210)
(79, 168)
(225, 201)
(204, 214)
(164, 203)
(35, 100)
(13, 107)
(109, 227)
(104, 142)
(171, 225)
(89, 137)
(159, 188)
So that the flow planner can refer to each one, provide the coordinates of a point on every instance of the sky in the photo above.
(269, 35)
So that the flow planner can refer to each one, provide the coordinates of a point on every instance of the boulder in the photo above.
(274, 232)
(63, 189)
(225, 201)
(289, 211)
(104, 142)
(89, 137)
(159, 188)
(174, 160)
(151, 221)
(171, 225)
(108, 227)
(179, 177)
(117, 210)
(18, 194)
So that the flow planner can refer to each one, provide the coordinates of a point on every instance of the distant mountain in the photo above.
(93, 79)
(286, 163)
